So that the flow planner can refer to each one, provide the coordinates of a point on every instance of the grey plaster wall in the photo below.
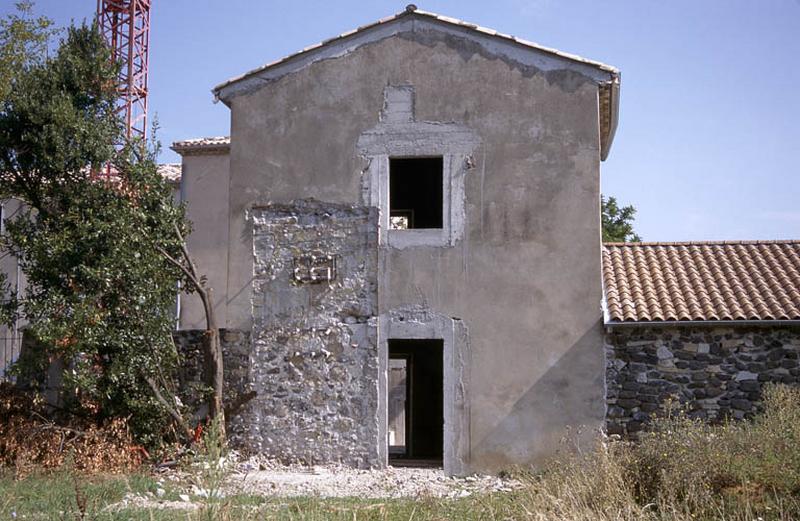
(716, 372)
(523, 278)
(10, 336)
(314, 358)
(204, 187)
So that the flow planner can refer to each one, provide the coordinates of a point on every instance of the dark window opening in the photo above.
(415, 192)
(416, 402)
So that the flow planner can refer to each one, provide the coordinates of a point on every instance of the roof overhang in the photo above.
(206, 146)
(609, 114)
(702, 323)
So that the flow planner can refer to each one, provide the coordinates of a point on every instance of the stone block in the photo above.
(745, 375)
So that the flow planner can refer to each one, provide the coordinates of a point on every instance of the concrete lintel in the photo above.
(417, 139)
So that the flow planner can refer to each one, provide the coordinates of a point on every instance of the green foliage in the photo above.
(617, 223)
(23, 43)
(100, 293)
(58, 122)
(8, 303)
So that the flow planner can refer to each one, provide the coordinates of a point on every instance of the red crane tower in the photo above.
(125, 24)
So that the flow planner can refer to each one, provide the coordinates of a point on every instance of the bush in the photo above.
(683, 469)
(30, 442)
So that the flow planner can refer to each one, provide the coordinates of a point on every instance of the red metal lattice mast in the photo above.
(125, 24)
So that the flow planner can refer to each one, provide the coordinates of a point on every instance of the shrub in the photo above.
(681, 469)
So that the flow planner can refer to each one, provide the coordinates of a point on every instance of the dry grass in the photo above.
(30, 441)
(681, 470)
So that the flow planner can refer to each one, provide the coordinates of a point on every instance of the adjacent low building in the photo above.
(706, 324)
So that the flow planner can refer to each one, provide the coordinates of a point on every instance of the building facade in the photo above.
(421, 193)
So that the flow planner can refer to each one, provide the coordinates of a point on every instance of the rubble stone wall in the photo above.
(716, 372)
(313, 361)
(235, 357)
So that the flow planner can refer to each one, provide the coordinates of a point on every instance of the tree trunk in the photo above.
(214, 364)
(214, 375)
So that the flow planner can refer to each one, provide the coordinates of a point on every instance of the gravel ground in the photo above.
(265, 478)
(338, 481)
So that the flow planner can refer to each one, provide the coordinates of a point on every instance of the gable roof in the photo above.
(701, 281)
(413, 20)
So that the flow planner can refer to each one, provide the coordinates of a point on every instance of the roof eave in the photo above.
(613, 92)
(203, 146)
(701, 323)
(229, 89)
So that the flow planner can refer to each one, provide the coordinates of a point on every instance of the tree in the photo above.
(23, 41)
(212, 348)
(617, 223)
(96, 254)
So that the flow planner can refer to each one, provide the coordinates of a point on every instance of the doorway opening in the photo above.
(416, 402)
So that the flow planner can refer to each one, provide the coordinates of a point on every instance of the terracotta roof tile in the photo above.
(203, 145)
(171, 172)
(691, 281)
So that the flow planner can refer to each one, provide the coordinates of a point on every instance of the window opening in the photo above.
(415, 193)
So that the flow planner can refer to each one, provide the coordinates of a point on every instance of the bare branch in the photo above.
(180, 265)
(169, 408)
(185, 251)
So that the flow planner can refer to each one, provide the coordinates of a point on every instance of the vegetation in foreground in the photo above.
(681, 470)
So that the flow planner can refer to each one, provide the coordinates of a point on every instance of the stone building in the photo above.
(421, 194)
(402, 232)
(707, 324)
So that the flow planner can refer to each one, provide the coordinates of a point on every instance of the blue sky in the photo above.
(709, 134)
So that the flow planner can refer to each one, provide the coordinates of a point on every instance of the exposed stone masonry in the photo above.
(314, 361)
(717, 373)
(235, 351)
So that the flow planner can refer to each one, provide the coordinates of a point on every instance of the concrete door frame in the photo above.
(423, 324)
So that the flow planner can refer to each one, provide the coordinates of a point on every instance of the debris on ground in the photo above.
(30, 439)
(264, 478)
(260, 477)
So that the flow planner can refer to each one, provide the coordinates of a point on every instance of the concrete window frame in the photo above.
(452, 203)
(398, 135)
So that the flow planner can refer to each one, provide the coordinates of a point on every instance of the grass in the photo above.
(66, 495)
(681, 470)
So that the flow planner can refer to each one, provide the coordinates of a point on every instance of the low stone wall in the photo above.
(716, 372)
(236, 361)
